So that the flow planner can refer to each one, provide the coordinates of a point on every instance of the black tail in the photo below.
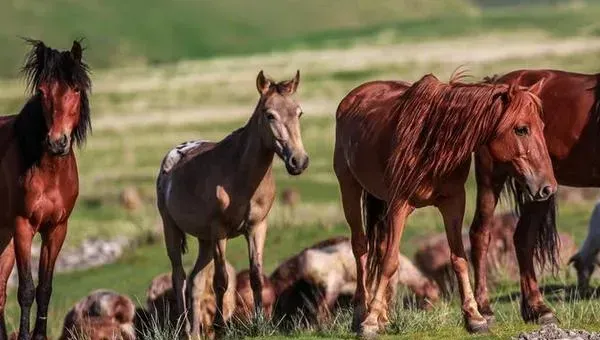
(374, 211)
(547, 242)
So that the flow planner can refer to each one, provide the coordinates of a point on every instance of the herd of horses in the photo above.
(398, 146)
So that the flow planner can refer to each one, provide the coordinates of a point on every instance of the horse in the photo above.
(399, 147)
(39, 183)
(217, 191)
(103, 314)
(571, 113)
(312, 283)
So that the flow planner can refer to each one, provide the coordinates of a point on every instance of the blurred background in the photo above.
(165, 72)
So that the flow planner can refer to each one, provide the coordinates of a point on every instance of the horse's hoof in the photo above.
(477, 326)
(490, 319)
(368, 332)
(369, 328)
(547, 318)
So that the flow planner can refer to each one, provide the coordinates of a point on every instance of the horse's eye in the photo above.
(270, 116)
(522, 130)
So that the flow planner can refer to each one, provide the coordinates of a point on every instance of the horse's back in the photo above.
(570, 113)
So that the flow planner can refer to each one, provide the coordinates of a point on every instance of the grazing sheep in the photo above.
(433, 257)
(245, 300)
(161, 301)
(586, 258)
(102, 315)
(311, 282)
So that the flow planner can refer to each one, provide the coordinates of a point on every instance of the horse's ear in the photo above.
(537, 87)
(76, 51)
(262, 83)
(291, 86)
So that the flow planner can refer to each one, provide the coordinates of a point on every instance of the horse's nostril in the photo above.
(63, 141)
(546, 191)
(293, 162)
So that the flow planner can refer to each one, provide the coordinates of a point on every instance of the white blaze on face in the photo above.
(177, 153)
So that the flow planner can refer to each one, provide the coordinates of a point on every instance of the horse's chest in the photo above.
(45, 203)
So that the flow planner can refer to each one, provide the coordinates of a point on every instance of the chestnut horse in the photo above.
(399, 147)
(39, 182)
(217, 191)
(571, 114)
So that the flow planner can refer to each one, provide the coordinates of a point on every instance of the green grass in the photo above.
(157, 31)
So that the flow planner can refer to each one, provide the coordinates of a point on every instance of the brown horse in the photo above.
(571, 114)
(217, 191)
(399, 147)
(39, 182)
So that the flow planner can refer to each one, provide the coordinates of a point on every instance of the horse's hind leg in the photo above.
(351, 192)
(7, 261)
(452, 210)
(256, 243)
(175, 240)
(533, 308)
(52, 241)
(489, 187)
(220, 283)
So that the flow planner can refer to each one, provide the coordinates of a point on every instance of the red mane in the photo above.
(439, 125)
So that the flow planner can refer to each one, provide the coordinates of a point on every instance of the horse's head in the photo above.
(519, 141)
(60, 79)
(280, 115)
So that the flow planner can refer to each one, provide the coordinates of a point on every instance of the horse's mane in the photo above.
(436, 126)
(44, 64)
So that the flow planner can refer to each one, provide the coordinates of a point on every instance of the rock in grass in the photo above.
(553, 332)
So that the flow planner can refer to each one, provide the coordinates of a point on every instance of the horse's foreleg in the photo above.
(220, 283)
(205, 255)
(453, 210)
(52, 241)
(351, 193)
(26, 291)
(489, 187)
(391, 231)
(7, 261)
(533, 308)
(256, 243)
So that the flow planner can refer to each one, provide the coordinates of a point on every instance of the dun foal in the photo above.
(38, 174)
(217, 191)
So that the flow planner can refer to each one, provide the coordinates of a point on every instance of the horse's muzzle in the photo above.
(59, 146)
(296, 164)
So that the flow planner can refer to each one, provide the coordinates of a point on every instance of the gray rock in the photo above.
(553, 332)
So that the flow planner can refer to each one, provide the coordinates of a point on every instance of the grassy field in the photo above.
(140, 112)
(118, 32)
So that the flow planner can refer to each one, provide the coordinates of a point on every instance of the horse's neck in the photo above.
(255, 160)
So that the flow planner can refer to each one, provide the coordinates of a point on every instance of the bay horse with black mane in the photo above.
(399, 147)
(39, 183)
(215, 191)
(571, 104)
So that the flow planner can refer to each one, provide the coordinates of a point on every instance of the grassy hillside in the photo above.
(125, 32)
(151, 31)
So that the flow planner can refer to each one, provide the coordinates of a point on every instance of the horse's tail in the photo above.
(547, 242)
(374, 211)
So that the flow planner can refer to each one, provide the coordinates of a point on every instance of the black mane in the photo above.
(44, 64)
